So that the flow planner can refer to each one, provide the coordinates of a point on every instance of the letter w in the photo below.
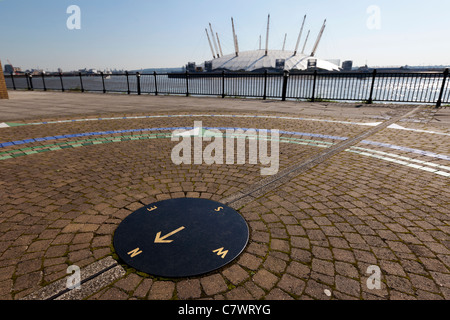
(220, 252)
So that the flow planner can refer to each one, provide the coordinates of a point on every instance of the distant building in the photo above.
(36, 72)
(312, 64)
(336, 62)
(279, 64)
(14, 70)
(9, 69)
(190, 67)
(208, 66)
(347, 65)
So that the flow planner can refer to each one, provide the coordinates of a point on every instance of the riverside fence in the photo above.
(402, 87)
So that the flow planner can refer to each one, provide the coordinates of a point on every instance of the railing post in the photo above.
(27, 77)
(156, 83)
(61, 80)
(81, 82)
(43, 81)
(31, 82)
(374, 75)
(441, 94)
(223, 84)
(187, 84)
(103, 82)
(138, 78)
(12, 80)
(28, 81)
(128, 83)
(265, 85)
(313, 96)
(285, 81)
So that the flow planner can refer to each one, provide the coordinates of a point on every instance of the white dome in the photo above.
(257, 60)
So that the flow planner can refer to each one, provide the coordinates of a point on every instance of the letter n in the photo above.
(134, 252)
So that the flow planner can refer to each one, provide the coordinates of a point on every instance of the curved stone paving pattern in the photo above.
(74, 144)
(381, 202)
(323, 229)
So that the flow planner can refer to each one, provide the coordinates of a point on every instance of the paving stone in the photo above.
(318, 229)
(348, 286)
(161, 290)
(249, 261)
(143, 289)
(239, 293)
(279, 245)
(277, 294)
(423, 283)
(291, 284)
(113, 294)
(213, 284)
(256, 292)
(322, 266)
(235, 274)
(129, 283)
(189, 289)
(265, 279)
(316, 290)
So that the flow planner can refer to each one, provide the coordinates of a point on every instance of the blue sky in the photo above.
(138, 34)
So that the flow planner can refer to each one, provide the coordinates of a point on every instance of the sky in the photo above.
(137, 34)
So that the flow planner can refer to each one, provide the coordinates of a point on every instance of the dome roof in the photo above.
(257, 60)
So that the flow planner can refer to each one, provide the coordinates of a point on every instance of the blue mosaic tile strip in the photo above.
(76, 135)
(406, 149)
(86, 134)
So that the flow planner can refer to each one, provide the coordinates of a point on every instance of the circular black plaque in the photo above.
(181, 237)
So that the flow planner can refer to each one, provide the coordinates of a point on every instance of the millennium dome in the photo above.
(257, 60)
(265, 59)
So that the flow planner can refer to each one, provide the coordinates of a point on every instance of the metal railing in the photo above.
(403, 87)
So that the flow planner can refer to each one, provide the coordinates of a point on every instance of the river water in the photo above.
(415, 88)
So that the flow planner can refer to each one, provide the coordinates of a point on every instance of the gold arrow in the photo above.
(159, 239)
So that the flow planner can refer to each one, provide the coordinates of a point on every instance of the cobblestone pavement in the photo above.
(383, 201)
